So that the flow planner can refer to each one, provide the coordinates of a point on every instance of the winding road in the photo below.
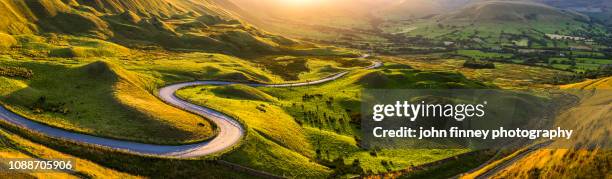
(230, 130)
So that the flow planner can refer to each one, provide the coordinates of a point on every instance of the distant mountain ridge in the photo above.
(598, 9)
(510, 11)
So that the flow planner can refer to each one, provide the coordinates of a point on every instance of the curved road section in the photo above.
(230, 130)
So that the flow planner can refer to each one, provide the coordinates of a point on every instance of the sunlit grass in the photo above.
(317, 127)
(14, 146)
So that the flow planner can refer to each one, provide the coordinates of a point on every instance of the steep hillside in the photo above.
(171, 24)
(148, 8)
(22, 16)
(589, 162)
(597, 9)
(160, 8)
(18, 17)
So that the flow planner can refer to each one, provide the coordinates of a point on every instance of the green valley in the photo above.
(274, 88)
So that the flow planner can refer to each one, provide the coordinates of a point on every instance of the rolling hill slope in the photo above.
(18, 17)
(510, 11)
(503, 23)
(582, 161)
(410, 9)
(309, 19)
(109, 89)
(171, 24)
(597, 9)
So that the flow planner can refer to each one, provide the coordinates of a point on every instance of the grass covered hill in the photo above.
(161, 8)
(313, 131)
(21, 16)
(170, 24)
(597, 9)
(83, 97)
(410, 9)
(510, 11)
(18, 17)
(581, 161)
(504, 23)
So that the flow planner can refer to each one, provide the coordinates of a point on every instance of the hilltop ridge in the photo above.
(512, 11)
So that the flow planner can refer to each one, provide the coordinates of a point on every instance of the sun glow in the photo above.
(301, 2)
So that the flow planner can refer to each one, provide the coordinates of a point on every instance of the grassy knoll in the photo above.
(180, 67)
(273, 134)
(292, 68)
(177, 67)
(315, 127)
(99, 98)
(14, 146)
(244, 92)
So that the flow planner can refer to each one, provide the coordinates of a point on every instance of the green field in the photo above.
(477, 54)
(302, 131)
(582, 64)
(71, 87)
